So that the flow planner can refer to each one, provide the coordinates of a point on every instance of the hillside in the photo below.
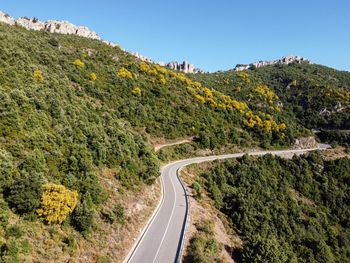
(319, 97)
(283, 210)
(77, 118)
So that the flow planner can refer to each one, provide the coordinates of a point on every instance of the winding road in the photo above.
(163, 237)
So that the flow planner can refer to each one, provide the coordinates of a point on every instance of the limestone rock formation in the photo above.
(52, 26)
(5, 18)
(183, 67)
(282, 61)
(33, 24)
(174, 65)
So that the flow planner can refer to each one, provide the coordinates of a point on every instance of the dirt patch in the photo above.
(205, 210)
(159, 145)
(336, 153)
(109, 240)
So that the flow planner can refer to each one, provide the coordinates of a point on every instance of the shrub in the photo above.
(57, 203)
(24, 194)
(124, 73)
(53, 42)
(83, 216)
(115, 215)
(79, 63)
(197, 190)
(38, 76)
(136, 91)
(7, 168)
(93, 76)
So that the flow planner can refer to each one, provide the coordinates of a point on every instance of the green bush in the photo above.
(24, 194)
(83, 217)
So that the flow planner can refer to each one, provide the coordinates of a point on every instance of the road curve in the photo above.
(162, 239)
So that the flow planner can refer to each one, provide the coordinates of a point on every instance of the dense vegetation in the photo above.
(335, 137)
(319, 97)
(53, 131)
(285, 210)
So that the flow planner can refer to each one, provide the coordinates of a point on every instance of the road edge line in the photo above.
(148, 224)
(188, 216)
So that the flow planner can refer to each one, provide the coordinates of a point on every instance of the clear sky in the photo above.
(212, 34)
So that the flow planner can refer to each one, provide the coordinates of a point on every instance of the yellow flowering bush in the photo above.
(124, 73)
(57, 202)
(93, 76)
(162, 80)
(79, 63)
(136, 91)
(38, 76)
(245, 77)
(264, 91)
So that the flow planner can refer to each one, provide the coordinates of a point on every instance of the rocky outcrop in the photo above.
(52, 26)
(183, 67)
(174, 65)
(143, 58)
(33, 24)
(282, 61)
(305, 143)
(5, 18)
(67, 28)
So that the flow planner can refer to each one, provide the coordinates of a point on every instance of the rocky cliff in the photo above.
(282, 61)
(52, 26)
(183, 67)
(174, 65)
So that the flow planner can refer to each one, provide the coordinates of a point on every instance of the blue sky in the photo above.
(213, 35)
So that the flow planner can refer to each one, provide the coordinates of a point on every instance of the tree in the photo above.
(24, 194)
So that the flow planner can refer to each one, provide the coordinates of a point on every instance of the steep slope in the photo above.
(283, 210)
(75, 115)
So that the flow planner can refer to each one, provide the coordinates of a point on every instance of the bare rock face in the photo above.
(61, 27)
(174, 65)
(183, 67)
(5, 18)
(282, 61)
(52, 26)
(33, 23)
(305, 143)
(143, 58)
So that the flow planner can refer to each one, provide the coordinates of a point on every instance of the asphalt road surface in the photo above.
(163, 238)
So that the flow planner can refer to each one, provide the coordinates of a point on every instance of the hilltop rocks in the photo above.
(282, 61)
(174, 65)
(183, 67)
(52, 26)
(143, 58)
(67, 28)
(5, 18)
(33, 24)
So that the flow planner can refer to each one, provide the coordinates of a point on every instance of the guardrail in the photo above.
(187, 220)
